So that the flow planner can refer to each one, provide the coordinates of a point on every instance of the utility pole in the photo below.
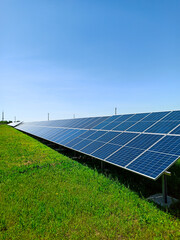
(15, 119)
(115, 110)
(48, 116)
(2, 115)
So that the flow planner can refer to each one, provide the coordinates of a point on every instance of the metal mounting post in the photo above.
(164, 185)
(102, 165)
(164, 188)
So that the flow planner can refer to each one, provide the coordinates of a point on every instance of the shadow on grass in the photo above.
(143, 186)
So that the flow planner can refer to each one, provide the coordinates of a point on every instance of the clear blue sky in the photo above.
(88, 57)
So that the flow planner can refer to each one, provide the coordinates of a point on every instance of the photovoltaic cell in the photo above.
(123, 138)
(105, 151)
(176, 131)
(173, 116)
(140, 126)
(163, 127)
(87, 133)
(169, 144)
(107, 121)
(138, 117)
(73, 142)
(73, 136)
(97, 121)
(152, 164)
(92, 147)
(155, 116)
(82, 144)
(96, 135)
(126, 117)
(144, 141)
(113, 124)
(108, 136)
(64, 136)
(123, 126)
(59, 131)
(124, 156)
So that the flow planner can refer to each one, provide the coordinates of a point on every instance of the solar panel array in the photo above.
(145, 143)
(14, 124)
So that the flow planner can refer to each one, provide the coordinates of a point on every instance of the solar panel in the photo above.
(108, 136)
(82, 144)
(123, 138)
(123, 126)
(140, 126)
(124, 156)
(96, 135)
(92, 147)
(73, 142)
(152, 164)
(163, 127)
(105, 122)
(169, 144)
(106, 150)
(145, 143)
(176, 130)
(74, 135)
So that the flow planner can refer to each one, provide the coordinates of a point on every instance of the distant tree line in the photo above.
(5, 122)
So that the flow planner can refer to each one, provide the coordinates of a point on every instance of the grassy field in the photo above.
(45, 195)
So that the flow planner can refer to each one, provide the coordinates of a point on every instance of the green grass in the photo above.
(45, 195)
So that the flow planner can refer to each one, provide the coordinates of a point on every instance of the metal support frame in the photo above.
(102, 165)
(164, 187)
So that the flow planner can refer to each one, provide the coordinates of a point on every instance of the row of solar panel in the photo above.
(123, 149)
(158, 122)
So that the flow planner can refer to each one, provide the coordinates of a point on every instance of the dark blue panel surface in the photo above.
(123, 126)
(59, 131)
(169, 144)
(74, 142)
(163, 127)
(74, 135)
(155, 116)
(152, 164)
(105, 151)
(117, 121)
(92, 147)
(126, 117)
(138, 117)
(77, 123)
(176, 131)
(64, 135)
(144, 141)
(140, 126)
(107, 121)
(85, 125)
(87, 133)
(51, 134)
(43, 132)
(96, 135)
(96, 122)
(108, 136)
(173, 116)
(123, 138)
(124, 156)
(82, 144)
(113, 124)
(86, 122)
